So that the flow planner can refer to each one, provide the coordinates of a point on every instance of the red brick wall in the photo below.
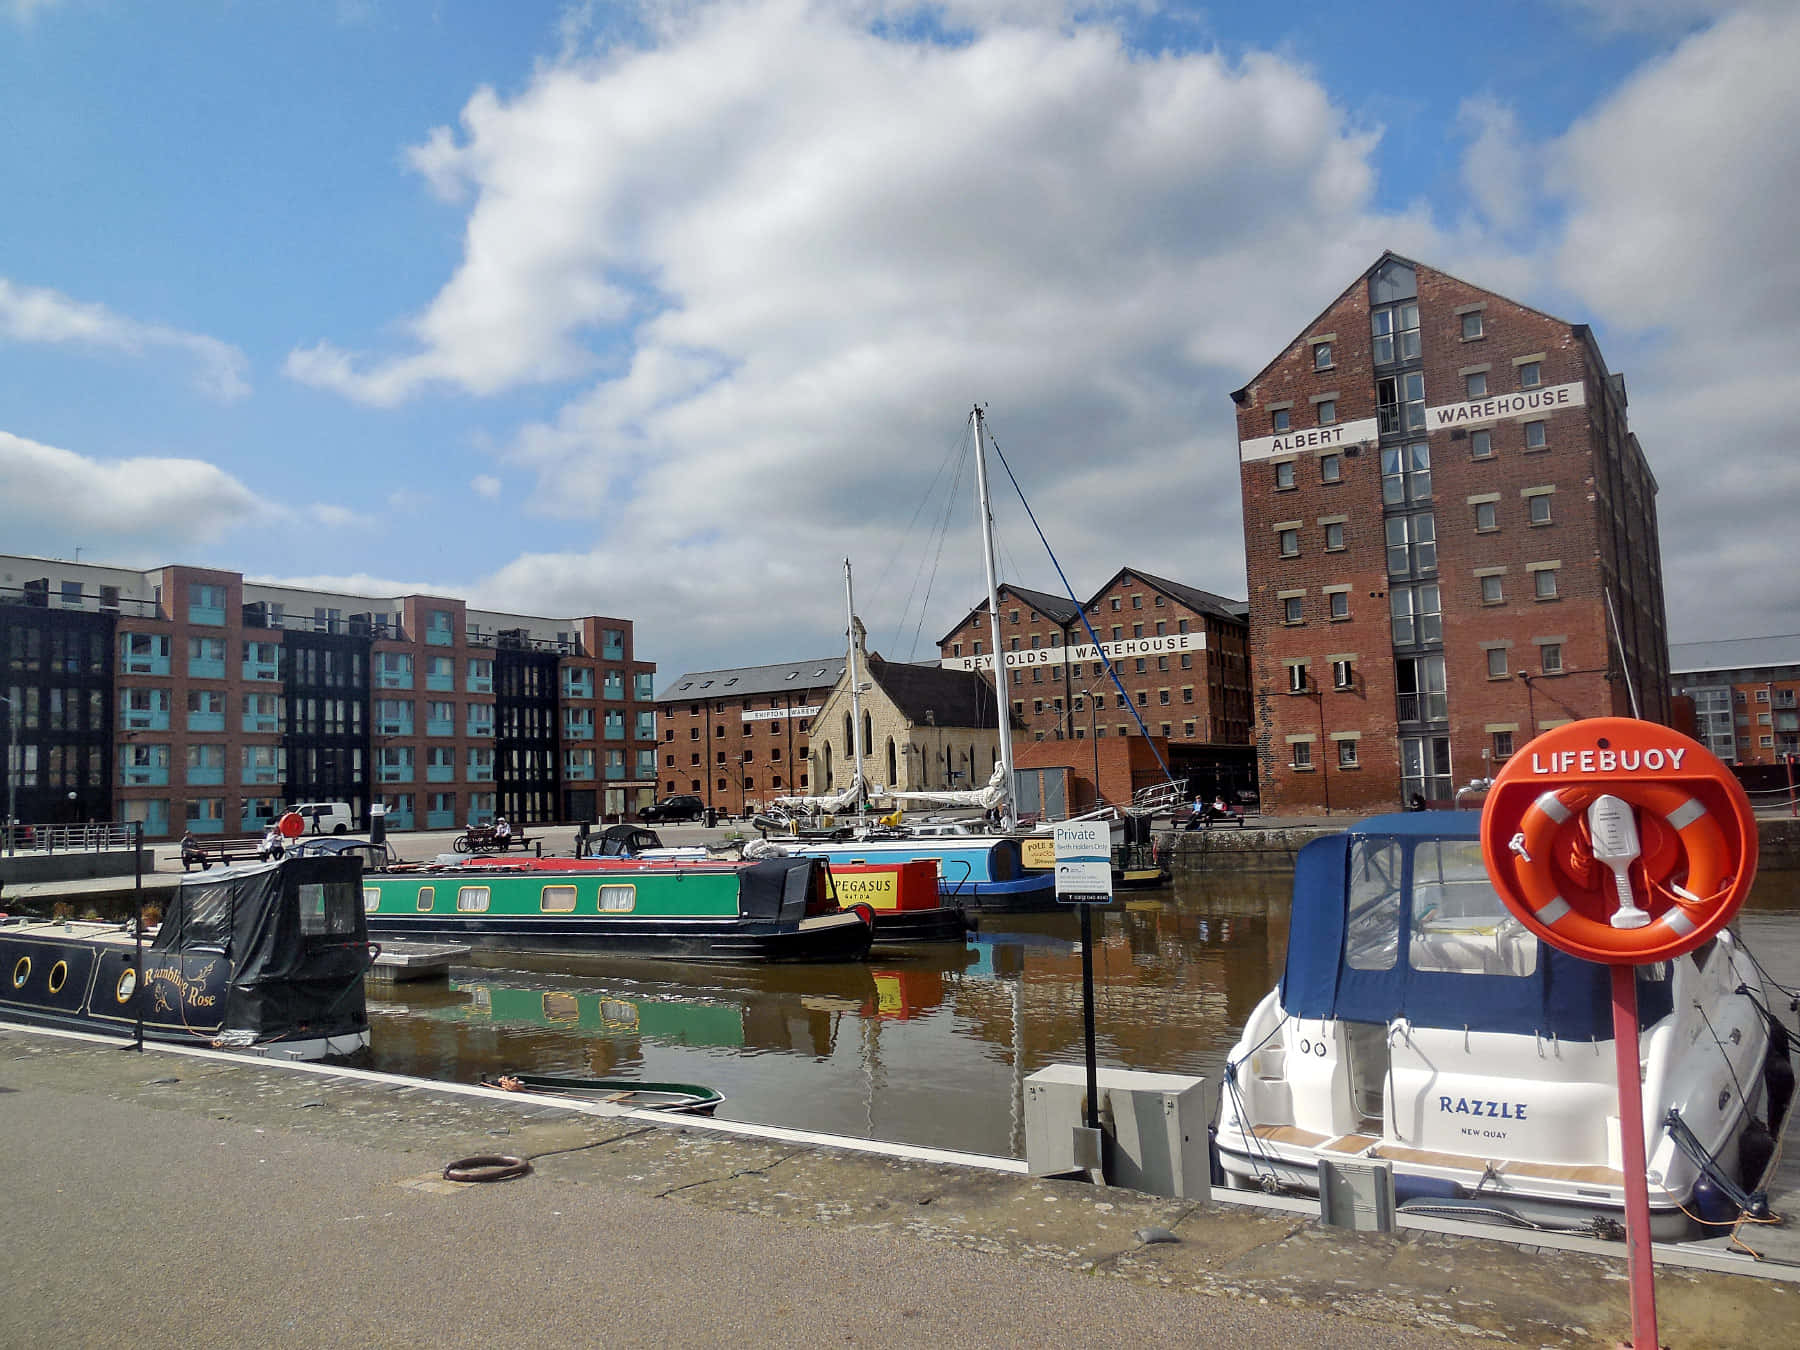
(1518, 625)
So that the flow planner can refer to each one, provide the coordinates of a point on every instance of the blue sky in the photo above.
(661, 310)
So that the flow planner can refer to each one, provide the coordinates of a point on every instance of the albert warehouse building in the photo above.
(1451, 543)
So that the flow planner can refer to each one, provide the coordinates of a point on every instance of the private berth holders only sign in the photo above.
(1084, 863)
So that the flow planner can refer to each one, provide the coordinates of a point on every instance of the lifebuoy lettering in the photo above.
(1607, 761)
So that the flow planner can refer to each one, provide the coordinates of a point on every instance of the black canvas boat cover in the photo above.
(293, 932)
(777, 888)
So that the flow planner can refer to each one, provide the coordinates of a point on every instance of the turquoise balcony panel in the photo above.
(578, 731)
(204, 826)
(205, 721)
(205, 777)
(145, 777)
(481, 684)
(155, 719)
(262, 670)
(156, 818)
(481, 729)
(394, 726)
(394, 773)
(211, 615)
(615, 771)
(440, 773)
(398, 819)
(443, 684)
(440, 726)
(440, 820)
(481, 775)
(144, 665)
(579, 773)
(262, 724)
(613, 688)
(263, 777)
(206, 668)
(612, 649)
(393, 679)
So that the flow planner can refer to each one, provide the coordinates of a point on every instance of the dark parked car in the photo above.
(681, 806)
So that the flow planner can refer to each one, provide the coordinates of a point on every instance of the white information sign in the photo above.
(780, 714)
(1084, 863)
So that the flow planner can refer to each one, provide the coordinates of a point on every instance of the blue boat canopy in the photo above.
(1395, 918)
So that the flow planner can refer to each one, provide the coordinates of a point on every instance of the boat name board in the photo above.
(1050, 656)
(881, 890)
(1474, 1106)
(1312, 438)
(1607, 761)
(780, 714)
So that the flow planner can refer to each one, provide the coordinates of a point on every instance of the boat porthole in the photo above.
(59, 975)
(127, 984)
(21, 972)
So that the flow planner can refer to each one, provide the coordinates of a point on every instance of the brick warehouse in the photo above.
(1181, 654)
(186, 697)
(738, 737)
(1442, 503)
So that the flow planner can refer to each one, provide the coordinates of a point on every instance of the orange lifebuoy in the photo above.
(1691, 865)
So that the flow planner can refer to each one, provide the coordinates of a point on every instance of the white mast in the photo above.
(1009, 818)
(855, 691)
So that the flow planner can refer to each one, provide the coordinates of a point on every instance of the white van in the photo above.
(326, 817)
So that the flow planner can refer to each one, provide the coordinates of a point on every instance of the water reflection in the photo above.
(928, 1047)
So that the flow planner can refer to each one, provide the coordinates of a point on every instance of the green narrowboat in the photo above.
(778, 909)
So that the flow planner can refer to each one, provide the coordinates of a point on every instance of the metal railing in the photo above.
(94, 838)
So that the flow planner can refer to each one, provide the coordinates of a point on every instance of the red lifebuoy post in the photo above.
(1626, 843)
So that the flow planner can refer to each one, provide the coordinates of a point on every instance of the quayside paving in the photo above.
(173, 1198)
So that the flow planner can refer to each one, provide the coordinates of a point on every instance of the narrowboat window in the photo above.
(21, 972)
(1372, 931)
(59, 973)
(618, 899)
(472, 899)
(561, 1007)
(1460, 926)
(371, 899)
(557, 900)
(427, 898)
(127, 985)
(327, 907)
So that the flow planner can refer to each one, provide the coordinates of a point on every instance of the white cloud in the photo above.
(784, 254)
(22, 12)
(339, 517)
(1497, 171)
(486, 485)
(1613, 16)
(164, 503)
(1681, 191)
(33, 314)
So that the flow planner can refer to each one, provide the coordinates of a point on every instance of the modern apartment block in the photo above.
(1745, 694)
(1451, 542)
(737, 738)
(189, 698)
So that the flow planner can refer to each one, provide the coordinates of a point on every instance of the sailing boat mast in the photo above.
(1002, 702)
(855, 691)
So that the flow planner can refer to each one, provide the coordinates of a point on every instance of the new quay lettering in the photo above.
(1607, 761)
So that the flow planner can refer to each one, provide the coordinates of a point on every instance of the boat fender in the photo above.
(1711, 1204)
(1778, 1084)
(486, 1167)
(1410, 1186)
(1214, 1162)
(1755, 1147)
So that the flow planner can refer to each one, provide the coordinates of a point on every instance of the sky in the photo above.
(663, 310)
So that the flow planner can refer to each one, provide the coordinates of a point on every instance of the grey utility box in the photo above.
(1357, 1193)
(1154, 1124)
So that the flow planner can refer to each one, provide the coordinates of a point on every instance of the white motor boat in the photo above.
(1418, 1022)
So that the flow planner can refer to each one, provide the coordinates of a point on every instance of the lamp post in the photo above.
(1530, 706)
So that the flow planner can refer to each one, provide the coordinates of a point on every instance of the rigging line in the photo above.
(1093, 637)
(943, 536)
(953, 459)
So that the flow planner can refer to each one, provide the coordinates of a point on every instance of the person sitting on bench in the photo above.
(191, 853)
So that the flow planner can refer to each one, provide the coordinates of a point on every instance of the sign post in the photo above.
(1626, 843)
(1084, 877)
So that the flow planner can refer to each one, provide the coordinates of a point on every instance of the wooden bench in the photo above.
(206, 852)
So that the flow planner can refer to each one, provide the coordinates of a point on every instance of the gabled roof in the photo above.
(954, 698)
(1191, 596)
(1387, 255)
(1059, 609)
(755, 681)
